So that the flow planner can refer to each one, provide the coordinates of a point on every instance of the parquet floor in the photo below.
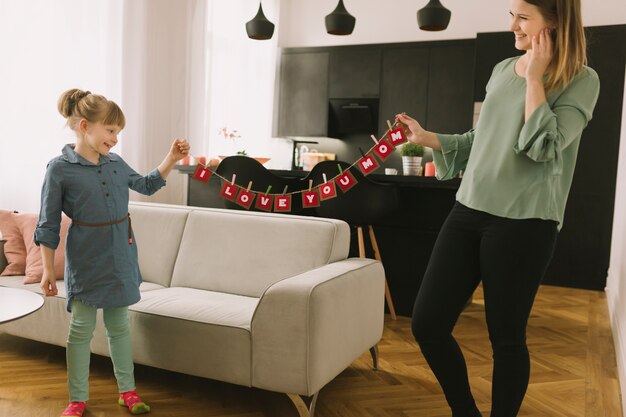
(573, 374)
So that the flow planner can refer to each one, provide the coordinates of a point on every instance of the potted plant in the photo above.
(411, 158)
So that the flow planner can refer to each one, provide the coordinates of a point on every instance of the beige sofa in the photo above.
(262, 300)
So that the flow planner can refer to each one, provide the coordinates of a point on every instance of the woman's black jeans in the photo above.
(510, 257)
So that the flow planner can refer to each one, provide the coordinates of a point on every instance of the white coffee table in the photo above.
(16, 303)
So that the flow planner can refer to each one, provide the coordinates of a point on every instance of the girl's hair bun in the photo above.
(76, 105)
(69, 100)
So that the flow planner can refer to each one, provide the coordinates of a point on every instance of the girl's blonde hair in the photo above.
(570, 45)
(76, 104)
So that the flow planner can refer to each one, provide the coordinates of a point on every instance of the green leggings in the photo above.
(82, 325)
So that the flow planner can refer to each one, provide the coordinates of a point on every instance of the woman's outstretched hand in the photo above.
(411, 128)
(415, 133)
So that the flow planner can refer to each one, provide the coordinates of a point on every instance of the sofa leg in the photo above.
(374, 353)
(304, 405)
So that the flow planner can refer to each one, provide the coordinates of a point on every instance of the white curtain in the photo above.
(242, 76)
(162, 84)
(189, 69)
(46, 48)
(178, 68)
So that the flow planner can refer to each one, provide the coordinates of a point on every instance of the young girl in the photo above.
(90, 185)
(519, 163)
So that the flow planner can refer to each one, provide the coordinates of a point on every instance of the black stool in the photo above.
(363, 205)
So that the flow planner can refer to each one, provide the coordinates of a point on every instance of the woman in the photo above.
(518, 165)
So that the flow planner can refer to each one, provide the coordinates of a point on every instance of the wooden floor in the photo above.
(573, 374)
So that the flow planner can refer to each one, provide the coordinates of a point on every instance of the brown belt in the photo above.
(130, 228)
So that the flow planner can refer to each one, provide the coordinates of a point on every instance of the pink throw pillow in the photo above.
(14, 249)
(34, 266)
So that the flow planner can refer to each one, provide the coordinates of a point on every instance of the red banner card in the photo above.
(346, 181)
(383, 149)
(245, 198)
(264, 202)
(368, 164)
(310, 199)
(396, 137)
(328, 191)
(282, 203)
(202, 173)
(229, 191)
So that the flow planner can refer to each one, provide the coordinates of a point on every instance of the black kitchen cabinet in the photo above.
(491, 48)
(404, 85)
(450, 90)
(354, 72)
(303, 96)
(433, 84)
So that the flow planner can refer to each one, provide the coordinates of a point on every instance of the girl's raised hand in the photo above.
(540, 55)
(180, 149)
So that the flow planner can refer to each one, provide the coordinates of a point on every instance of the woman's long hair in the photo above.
(570, 45)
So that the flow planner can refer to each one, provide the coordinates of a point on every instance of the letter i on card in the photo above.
(202, 173)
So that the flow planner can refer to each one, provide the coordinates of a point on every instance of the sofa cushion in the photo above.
(14, 249)
(199, 305)
(18, 282)
(243, 253)
(158, 230)
(27, 223)
(209, 333)
(3, 259)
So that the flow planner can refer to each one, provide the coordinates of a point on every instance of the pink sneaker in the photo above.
(131, 400)
(75, 409)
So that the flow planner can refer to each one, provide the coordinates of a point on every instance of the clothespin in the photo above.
(233, 180)
(310, 185)
(340, 169)
(269, 187)
(389, 124)
(285, 190)
(324, 176)
(249, 186)
(374, 139)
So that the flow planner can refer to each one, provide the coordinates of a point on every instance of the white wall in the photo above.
(46, 48)
(616, 283)
(302, 22)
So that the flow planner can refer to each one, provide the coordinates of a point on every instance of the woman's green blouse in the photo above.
(518, 169)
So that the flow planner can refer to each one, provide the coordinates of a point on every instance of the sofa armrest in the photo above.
(308, 328)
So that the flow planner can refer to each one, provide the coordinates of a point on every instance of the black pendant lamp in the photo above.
(433, 17)
(340, 22)
(260, 28)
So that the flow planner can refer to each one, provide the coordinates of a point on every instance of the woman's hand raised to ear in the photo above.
(539, 56)
(416, 133)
